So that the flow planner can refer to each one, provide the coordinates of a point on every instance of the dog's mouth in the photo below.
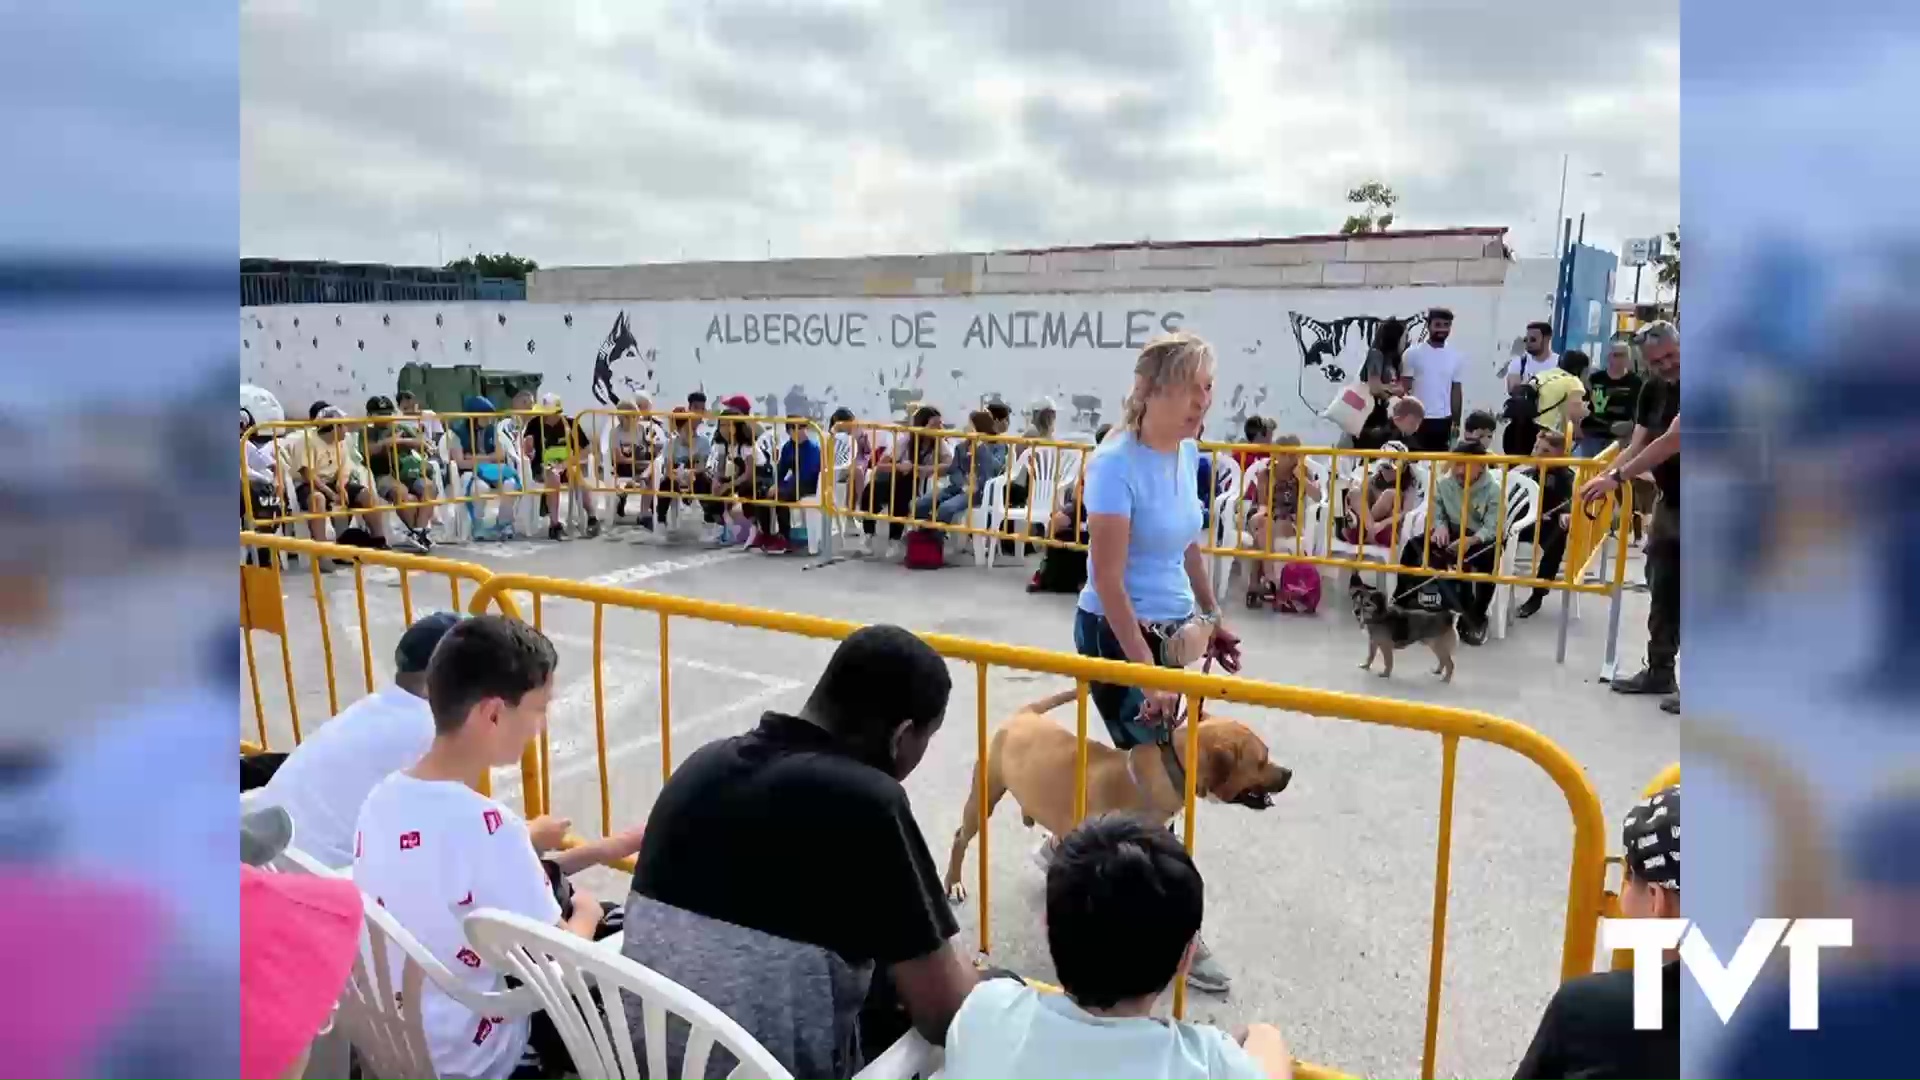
(1253, 799)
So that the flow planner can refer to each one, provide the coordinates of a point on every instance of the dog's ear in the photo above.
(1355, 584)
(1217, 765)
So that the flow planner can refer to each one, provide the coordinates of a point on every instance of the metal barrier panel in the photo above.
(1586, 875)
(905, 464)
(262, 609)
(456, 447)
(673, 462)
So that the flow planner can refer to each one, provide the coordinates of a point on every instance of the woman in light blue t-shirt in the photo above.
(1148, 597)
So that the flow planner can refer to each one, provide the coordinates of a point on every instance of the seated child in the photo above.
(1123, 916)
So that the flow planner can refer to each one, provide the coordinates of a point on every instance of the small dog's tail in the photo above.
(1048, 704)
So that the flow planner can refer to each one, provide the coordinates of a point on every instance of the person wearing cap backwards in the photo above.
(1587, 1030)
(801, 829)
(325, 779)
(397, 457)
(298, 937)
(558, 448)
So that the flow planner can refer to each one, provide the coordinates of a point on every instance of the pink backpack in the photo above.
(1299, 589)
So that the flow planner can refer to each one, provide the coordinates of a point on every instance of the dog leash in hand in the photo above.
(1164, 740)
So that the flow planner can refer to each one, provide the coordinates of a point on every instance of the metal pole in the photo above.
(1560, 213)
(1611, 664)
(1566, 615)
(1636, 291)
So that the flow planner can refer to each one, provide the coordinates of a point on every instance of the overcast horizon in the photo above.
(738, 130)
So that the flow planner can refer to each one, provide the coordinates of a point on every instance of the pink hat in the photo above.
(298, 937)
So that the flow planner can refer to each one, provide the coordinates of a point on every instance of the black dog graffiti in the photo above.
(619, 345)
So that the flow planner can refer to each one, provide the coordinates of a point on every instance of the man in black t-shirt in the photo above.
(801, 829)
(1655, 450)
(1587, 1030)
(557, 451)
(1614, 393)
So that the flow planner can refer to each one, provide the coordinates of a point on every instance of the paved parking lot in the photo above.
(1320, 907)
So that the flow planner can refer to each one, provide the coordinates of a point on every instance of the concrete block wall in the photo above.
(1441, 257)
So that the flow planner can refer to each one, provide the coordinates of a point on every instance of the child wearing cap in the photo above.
(396, 456)
(325, 779)
(1123, 918)
(1588, 1029)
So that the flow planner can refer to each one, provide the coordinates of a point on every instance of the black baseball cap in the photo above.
(417, 644)
(1651, 837)
(379, 405)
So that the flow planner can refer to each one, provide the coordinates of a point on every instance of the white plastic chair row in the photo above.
(562, 971)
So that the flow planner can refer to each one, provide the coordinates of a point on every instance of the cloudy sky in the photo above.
(622, 131)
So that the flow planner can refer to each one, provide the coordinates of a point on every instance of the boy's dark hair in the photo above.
(841, 415)
(879, 676)
(487, 656)
(1440, 313)
(1123, 902)
(1000, 410)
(1545, 328)
(1255, 426)
(403, 395)
(1480, 420)
(1575, 362)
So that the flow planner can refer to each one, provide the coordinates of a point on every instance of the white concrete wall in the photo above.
(954, 351)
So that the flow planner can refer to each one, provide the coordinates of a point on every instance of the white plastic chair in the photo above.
(1042, 464)
(562, 970)
(845, 450)
(382, 1018)
(1523, 508)
(989, 515)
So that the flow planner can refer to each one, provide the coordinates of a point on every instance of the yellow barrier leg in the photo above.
(1080, 752)
(1449, 757)
(600, 720)
(406, 597)
(666, 709)
(326, 642)
(366, 638)
(980, 724)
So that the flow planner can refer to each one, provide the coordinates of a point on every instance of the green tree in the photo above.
(504, 265)
(1668, 274)
(1376, 201)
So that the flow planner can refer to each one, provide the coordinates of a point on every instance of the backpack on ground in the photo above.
(1062, 570)
(926, 549)
(1299, 589)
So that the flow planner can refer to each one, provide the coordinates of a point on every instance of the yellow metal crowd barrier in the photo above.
(906, 474)
(263, 609)
(1585, 880)
(665, 465)
(295, 455)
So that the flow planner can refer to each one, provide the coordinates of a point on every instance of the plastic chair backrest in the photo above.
(843, 450)
(382, 1019)
(1523, 502)
(561, 969)
(1043, 474)
(1230, 474)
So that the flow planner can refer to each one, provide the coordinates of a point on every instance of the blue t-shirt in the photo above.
(1006, 1029)
(1159, 493)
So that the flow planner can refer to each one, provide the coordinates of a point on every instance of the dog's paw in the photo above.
(956, 893)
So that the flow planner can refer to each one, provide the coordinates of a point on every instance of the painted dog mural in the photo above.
(1337, 348)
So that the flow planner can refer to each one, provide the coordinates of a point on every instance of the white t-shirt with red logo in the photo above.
(430, 852)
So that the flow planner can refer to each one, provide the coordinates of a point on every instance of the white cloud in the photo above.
(713, 129)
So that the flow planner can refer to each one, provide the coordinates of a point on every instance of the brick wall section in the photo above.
(1441, 257)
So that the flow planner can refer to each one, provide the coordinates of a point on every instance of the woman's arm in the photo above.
(1107, 564)
(1197, 576)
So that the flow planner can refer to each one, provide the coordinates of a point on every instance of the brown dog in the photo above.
(1033, 757)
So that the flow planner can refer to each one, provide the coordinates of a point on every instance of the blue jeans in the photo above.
(951, 507)
(1119, 705)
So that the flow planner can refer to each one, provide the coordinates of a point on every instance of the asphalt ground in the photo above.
(1320, 907)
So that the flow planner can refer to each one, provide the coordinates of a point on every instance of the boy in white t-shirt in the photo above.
(430, 849)
(1123, 915)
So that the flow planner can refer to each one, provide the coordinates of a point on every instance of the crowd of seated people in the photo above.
(742, 477)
